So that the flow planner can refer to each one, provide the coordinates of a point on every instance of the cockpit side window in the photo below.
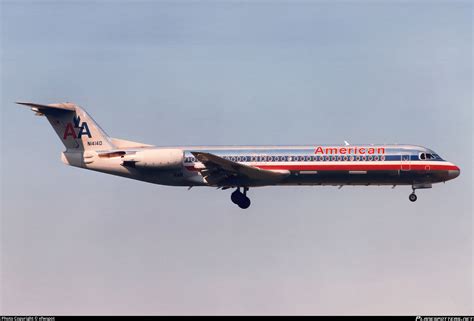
(424, 156)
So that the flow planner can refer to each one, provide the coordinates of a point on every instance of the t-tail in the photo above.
(74, 127)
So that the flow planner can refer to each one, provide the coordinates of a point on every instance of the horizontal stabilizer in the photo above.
(61, 106)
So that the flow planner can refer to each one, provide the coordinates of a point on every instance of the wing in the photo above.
(218, 171)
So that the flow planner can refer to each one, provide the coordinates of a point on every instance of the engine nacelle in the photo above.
(155, 159)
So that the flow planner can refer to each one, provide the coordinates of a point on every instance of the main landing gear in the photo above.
(240, 198)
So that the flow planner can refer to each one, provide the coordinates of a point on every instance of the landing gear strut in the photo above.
(239, 198)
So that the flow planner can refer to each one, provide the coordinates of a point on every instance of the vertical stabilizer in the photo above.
(74, 127)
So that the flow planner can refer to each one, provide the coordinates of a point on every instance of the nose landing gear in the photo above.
(241, 199)
(416, 186)
(413, 197)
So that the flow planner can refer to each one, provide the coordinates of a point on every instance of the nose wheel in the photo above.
(241, 199)
(412, 197)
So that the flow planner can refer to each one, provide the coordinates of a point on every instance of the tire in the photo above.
(244, 202)
(236, 196)
(412, 197)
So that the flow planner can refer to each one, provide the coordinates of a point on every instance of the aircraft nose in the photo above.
(453, 173)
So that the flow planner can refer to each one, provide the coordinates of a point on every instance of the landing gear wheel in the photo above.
(236, 196)
(239, 198)
(412, 197)
(244, 202)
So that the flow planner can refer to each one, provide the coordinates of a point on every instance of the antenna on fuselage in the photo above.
(346, 143)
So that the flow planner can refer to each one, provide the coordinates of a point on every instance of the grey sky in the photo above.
(79, 242)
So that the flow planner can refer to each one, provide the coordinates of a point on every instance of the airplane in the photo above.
(242, 167)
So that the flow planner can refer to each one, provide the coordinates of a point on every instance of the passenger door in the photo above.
(405, 162)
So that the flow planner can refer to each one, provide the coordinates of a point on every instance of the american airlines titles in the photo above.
(349, 150)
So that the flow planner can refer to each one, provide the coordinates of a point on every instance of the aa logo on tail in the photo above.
(72, 126)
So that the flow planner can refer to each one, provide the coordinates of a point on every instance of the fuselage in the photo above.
(304, 165)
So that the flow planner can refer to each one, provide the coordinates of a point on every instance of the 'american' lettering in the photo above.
(349, 150)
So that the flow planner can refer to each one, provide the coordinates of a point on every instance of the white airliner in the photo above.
(242, 167)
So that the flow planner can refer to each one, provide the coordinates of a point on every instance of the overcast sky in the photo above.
(80, 242)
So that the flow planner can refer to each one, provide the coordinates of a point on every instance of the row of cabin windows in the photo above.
(297, 158)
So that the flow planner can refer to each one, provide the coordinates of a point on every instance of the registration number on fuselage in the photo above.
(95, 143)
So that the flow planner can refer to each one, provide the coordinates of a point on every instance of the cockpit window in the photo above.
(424, 156)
